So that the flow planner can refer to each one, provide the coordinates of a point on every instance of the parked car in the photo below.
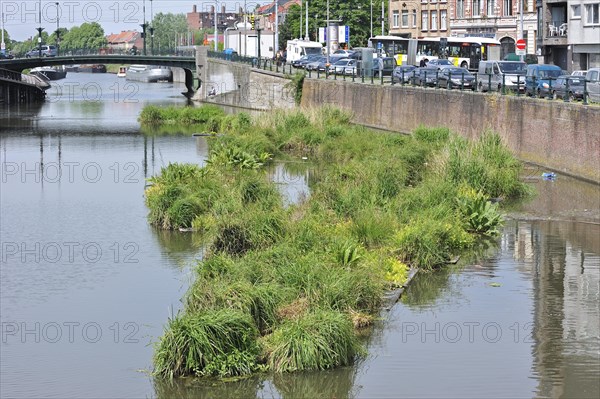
(383, 65)
(47, 51)
(592, 78)
(451, 77)
(305, 59)
(493, 74)
(6, 56)
(343, 67)
(402, 73)
(439, 62)
(539, 79)
(573, 92)
(313, 63)
(345, 53)
(425, 76)
(528, 58)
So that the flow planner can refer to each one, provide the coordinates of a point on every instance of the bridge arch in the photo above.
(188, 64)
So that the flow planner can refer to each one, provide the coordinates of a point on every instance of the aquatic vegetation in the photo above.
(300, 279)
(221, 343)
(480, 213)
(316, 341)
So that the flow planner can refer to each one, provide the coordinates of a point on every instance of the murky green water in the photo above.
(86, 285)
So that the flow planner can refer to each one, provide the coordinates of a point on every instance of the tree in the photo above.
(87, 36)
(7, 40)
(354, 13)
(167, 29)
(52, 37)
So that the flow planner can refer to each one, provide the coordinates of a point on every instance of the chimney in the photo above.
(222, 9)
(212, 10)
(194, 9)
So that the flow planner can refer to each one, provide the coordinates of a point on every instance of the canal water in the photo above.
(86, 285)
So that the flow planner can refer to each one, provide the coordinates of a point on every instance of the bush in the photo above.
(315, 341)
(221, 343)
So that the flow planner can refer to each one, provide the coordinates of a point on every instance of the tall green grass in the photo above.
(299, 279)
(317, 341)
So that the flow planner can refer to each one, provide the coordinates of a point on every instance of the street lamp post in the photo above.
(57, 30)
(371, 19)
(2, 44)
(276, 27)
(40, 29)
(382, 19)
(144, 26)
(306, 21)
(216, 35)
(327, 33)
(151, 29)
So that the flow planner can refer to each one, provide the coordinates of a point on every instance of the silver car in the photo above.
(47, 51)
(341, 66)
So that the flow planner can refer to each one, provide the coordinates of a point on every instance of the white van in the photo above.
(298, 48)
(493, 74)
(593, 84)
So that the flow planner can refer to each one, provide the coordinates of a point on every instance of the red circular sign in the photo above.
(521, 44)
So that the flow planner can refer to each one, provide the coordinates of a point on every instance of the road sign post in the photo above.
(520, 47)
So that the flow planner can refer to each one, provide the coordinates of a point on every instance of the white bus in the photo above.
(297, 48)
(465, 52)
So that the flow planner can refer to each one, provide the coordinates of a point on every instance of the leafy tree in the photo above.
(167, 28)
(52, 37)
(7, 40)
(86, 36)
(354, 13)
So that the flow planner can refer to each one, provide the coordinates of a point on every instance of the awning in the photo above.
(586, 48)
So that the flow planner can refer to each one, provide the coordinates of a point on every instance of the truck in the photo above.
(297, 48)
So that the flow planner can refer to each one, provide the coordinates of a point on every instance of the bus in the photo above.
(465, 52)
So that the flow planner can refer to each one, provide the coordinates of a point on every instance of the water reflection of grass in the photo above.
(180, 246)
(337, 383)
(188, 388)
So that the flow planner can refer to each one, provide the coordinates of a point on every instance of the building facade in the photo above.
(420, 18)
(571, 36)
(498, 19)
(205, 18)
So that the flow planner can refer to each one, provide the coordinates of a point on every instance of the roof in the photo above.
(125, 36)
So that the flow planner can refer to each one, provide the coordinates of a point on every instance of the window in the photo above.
(414, 18)
(395, 19)
(591, 13)
(424, 20)
(576, 11)
(490, 8)
(434, 23)
(507, 8)
(460, 8)
(476, 8)
(443, 18)
(405, 18)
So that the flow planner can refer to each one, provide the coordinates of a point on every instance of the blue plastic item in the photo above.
(549, 176)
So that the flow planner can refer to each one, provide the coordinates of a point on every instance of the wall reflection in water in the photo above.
(564, 263)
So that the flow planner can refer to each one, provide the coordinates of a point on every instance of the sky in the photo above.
(21, 17)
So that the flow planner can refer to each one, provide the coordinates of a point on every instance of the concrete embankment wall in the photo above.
(240, 85)
(561, 136)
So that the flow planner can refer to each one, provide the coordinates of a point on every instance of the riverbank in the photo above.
(284, 287)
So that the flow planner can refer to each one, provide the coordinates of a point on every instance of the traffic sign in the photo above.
(521, 43)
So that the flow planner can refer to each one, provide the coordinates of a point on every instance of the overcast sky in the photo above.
(21, 17)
